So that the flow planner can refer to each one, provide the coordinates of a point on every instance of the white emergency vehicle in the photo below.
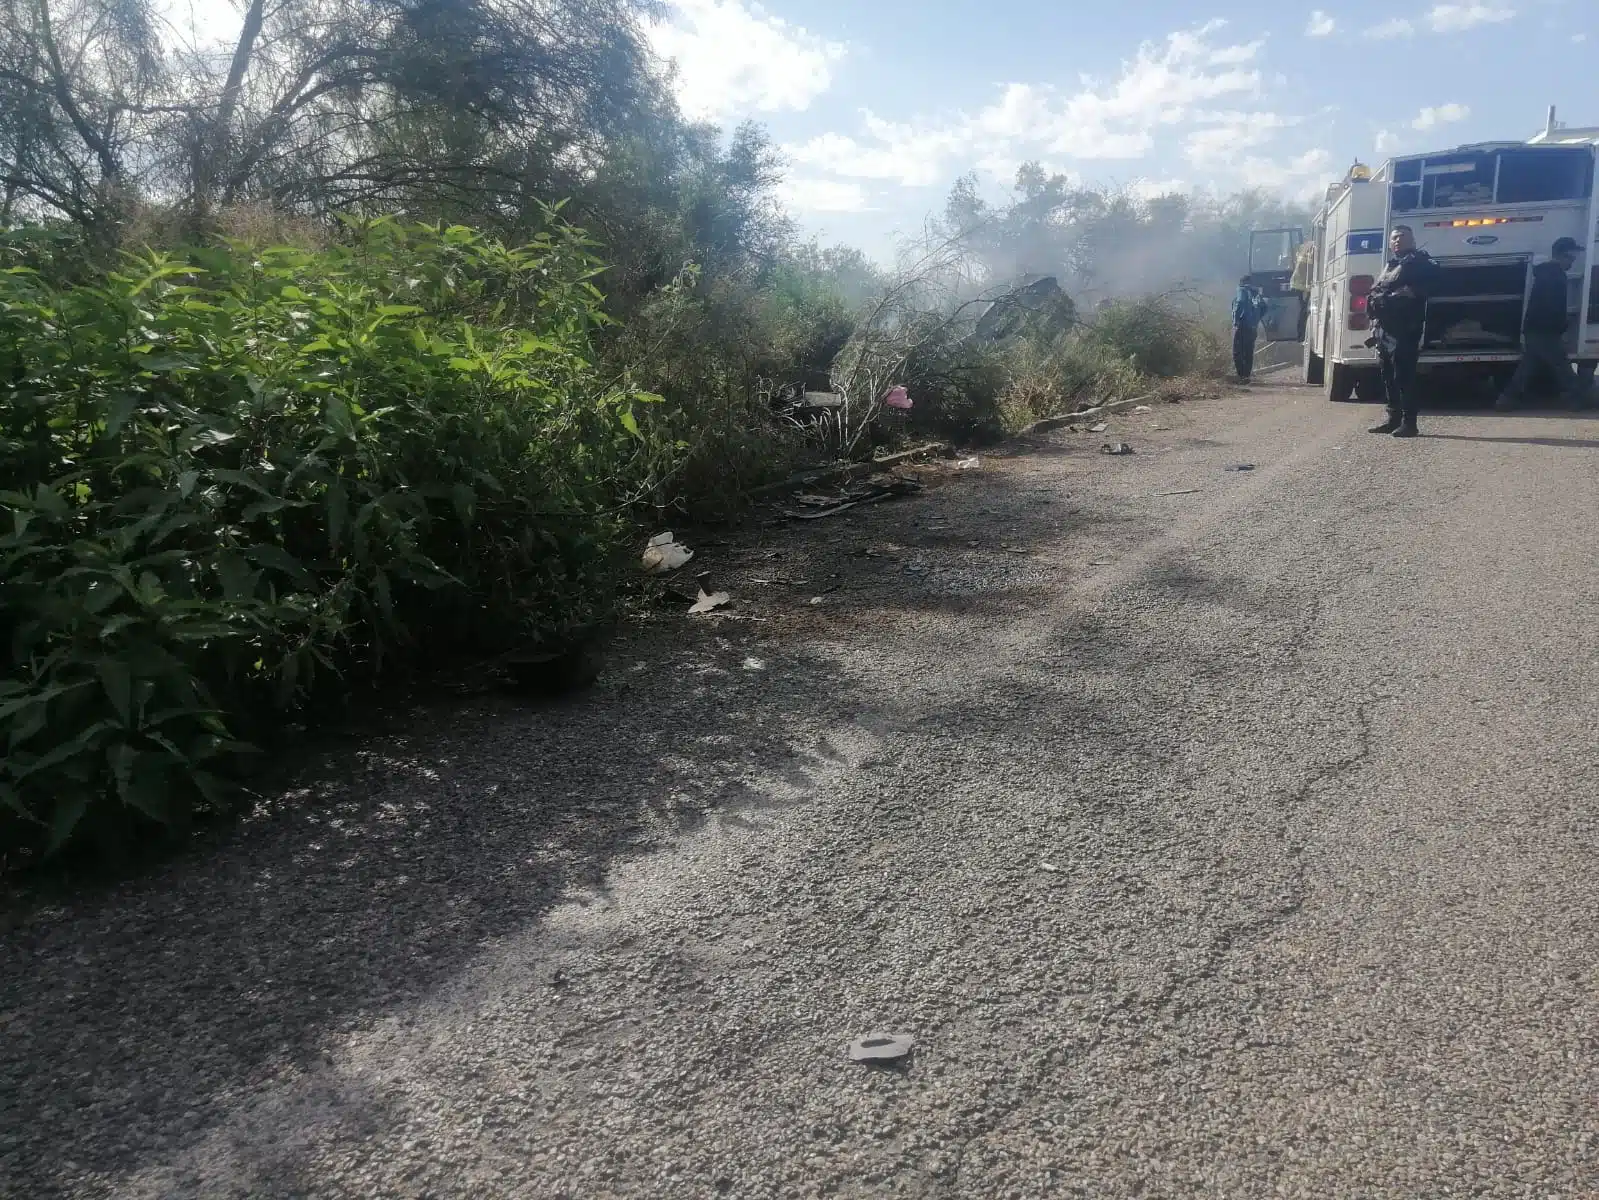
(1487, 213)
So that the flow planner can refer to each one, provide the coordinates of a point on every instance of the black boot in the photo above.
(1389, 425)
(1407, 428)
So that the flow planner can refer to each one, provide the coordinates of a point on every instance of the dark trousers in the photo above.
(1397, 354)
(1243, 350)
(1547, 352)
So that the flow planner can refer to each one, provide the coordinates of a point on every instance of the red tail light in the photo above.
(1359, 299)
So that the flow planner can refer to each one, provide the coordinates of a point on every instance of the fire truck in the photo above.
(1487, 212)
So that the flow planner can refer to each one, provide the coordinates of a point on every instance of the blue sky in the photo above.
(879, 107)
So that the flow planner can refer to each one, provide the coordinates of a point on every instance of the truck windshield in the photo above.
(1473, 178)
(1526, 176)
(1272, 250)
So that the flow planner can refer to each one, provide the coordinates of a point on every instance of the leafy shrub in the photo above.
(235, 479)
(1073, 373)
(1153, 334)
(718, 351)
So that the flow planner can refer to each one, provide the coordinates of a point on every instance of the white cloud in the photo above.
(733, 59)
(1387, 141)
(1445, 18)
(207, 24)
(1443, 114)
(1321, 25)
(1148, 189)
(1304, 174)
(1160, 87)
(1449, 18)
(1224, 136)
(1396, 27)
(824, 196)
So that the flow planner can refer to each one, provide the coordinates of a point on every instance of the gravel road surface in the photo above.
(1214, 832)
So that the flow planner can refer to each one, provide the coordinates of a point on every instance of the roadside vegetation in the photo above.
(378, 334)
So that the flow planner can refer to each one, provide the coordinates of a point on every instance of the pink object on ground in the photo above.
(897, 398)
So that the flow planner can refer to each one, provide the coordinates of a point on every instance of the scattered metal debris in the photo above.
(811, 506)
(1115, 448)
(1049, 867)
(1143, 408)
(663, 554)
(968, 464)
(1242, 467)
(881, 1047)
(1180, 492)
(708, 602)
(1100, 428)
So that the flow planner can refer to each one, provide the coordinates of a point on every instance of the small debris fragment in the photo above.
(1242, 467)
(752, 663)
(1143, 408)
(898, 398)
(664, 554)
(968, 464)
(881, 487)
(1050, 867)
(814, 600)
(708, 601)
(1100, 428)
(1180, 492)
(881, 1047)
(1115, 448)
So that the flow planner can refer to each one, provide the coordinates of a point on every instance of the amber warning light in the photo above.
(1475, 222)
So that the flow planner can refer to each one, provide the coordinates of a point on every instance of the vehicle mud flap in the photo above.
(1339, 382)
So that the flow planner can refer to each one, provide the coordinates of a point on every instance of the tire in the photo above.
(1339, 382)
(1312, 365)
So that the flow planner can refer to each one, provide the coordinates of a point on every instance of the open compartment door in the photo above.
(1277, 269)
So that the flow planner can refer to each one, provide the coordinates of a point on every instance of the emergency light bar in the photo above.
(1473, 222)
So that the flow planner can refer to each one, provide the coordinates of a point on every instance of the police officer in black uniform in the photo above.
(1398, 306)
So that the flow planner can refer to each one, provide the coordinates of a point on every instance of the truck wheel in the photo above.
(1339, 381)
(1312, 365)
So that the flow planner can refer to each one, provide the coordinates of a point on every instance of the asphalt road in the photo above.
(1214, 832)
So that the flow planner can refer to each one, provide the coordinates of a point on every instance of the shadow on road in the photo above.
(1565, 443)
(139, 1018)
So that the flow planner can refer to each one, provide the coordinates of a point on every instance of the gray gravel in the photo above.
(1231, 843)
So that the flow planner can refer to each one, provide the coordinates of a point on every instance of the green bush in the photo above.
(718, 351)
(1154, 335)
(236, 478)
(1073, 373)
